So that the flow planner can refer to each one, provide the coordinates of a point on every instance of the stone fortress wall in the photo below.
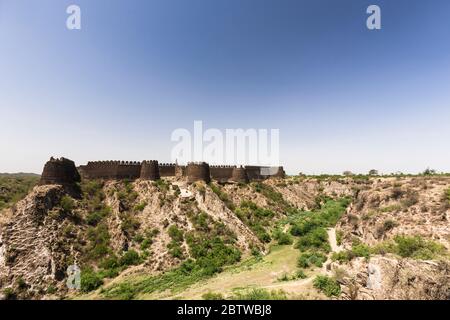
(63, 171)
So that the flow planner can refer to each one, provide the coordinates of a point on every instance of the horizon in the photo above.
(343, 97)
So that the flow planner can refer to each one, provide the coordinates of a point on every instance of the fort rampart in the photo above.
(63, 171)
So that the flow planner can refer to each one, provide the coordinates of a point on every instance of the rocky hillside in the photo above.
(169, 231)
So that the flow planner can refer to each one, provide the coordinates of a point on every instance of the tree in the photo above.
(348, 173)
(373, 172)
(429, 172)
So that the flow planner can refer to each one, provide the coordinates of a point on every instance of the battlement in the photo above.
(198, 171)
(59, 171)
(63, 171)
(150, 170)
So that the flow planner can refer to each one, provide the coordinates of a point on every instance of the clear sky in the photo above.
(343, 97)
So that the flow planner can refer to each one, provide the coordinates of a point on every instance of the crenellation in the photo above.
(58, 171)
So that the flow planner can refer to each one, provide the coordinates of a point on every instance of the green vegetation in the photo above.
(177, 239)
(256, 218)
(275, 198)
(260, 294)
(413, 247)
(223, 196)
(98, 242)
(300, 274)
(327, 285)
(14, 187)
(213, 296)
(210, 247)
(130, 258)
(140, 207)
(162, 185)
(311, 258)
(95, 217)
(310, 228)
(405, 246)
(67, 205)
(90, 280)
(283, 238)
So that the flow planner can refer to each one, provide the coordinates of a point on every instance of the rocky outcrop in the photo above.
(396, 279)
(390, 207)
(32, 254)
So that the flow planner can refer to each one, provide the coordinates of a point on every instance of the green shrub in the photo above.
(327, 285)
(309, 259)
(130, 258)
(417, 247)
(175, 233)
(223, 196)
(260, 294)
(93, 218)
(51, 289)
(98, 246)
(342, 256)
(67, 204)
(284, 239)
(9, 294)
(361, 250)
(90, 280)
(213, 296)
(111, 262)
(316, 239)
(300, 274)
(140, 207)
(339, 237)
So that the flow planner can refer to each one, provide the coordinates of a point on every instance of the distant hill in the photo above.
(19, 175)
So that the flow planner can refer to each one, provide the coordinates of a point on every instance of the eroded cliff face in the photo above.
(33, 248)
(393, 278)
(407, 206)
(40, 238)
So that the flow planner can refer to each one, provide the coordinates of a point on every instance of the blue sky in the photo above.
(343, 97)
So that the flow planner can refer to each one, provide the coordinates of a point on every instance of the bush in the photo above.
(417, 248)
(130, 258)
(316, 239)
(342, 256)
(93, 218)
(361, 250)
(140, 207)
(309, 259)
(90, 280)
(213, 296)
(223, 196)
(99, 238)
(284, 239)
(327, 285)
(67, 204)
(175, 233)
(9, 294)
(260, 294)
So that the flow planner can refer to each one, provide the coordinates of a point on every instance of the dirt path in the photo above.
(332, 239)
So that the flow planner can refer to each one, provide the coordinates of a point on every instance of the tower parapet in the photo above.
(60, 171)
(198, 171)
(150, 170)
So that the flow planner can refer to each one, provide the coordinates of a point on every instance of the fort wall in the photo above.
(167, 169)
(59, 171)
(221, 173)
(198, 171)
(150, 170)
(239, 175)
(63, 171)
